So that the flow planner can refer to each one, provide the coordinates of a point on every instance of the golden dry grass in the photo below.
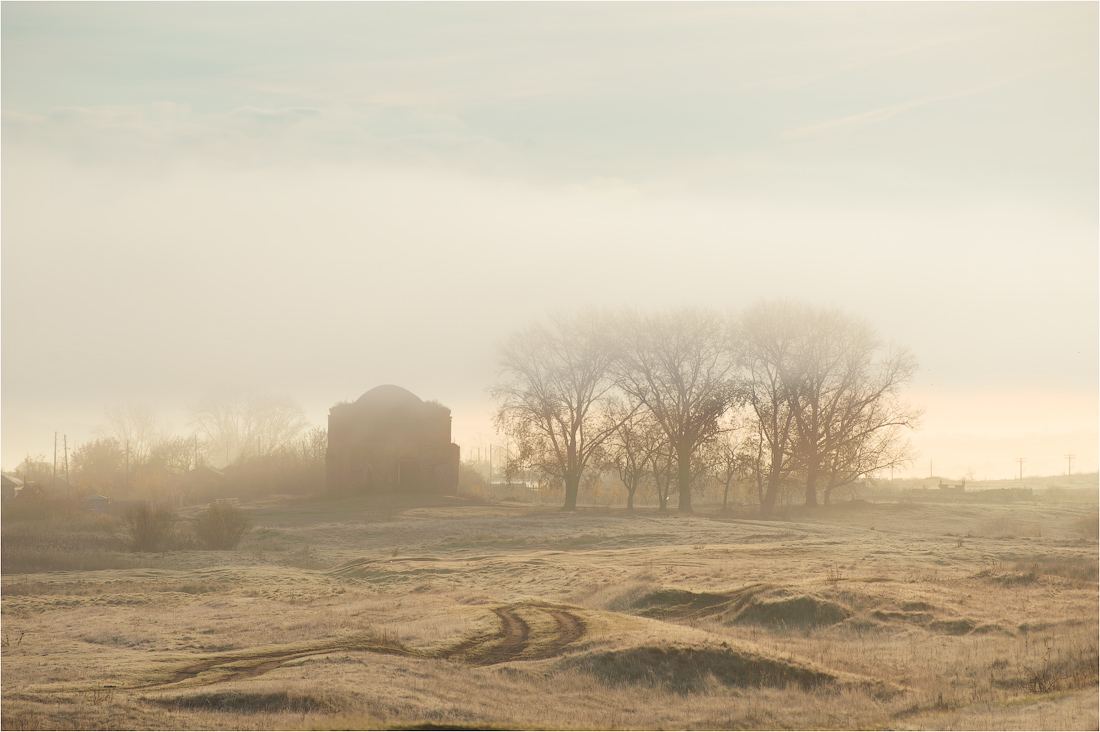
(363, 613)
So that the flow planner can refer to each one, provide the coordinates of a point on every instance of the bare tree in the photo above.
(680, 365)
(869, 429)
(826, 397)
(137, 427)
(844, 398)
(768, 336)
(662, 464)
(725, 460)
(176, 454)
(554, 379)
(630, 447)
(246, 424)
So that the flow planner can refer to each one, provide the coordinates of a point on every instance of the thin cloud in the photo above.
(854, 63)
(884, 113)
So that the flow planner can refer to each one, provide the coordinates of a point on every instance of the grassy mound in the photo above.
(677, 603)
(794, 612)
(689, 670)
(758, 604)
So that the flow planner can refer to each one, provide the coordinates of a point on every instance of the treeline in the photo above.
(246, 445)
(784, 397)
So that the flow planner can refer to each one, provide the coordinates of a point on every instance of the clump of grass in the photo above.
(1081, 569)
(1027, 571)
(221, 526)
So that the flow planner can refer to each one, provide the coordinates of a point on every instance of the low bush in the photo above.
(1087, 526)
(147, 528)
(221, 526)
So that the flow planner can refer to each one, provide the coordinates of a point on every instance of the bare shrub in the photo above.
(1075, 668)
(1088, 526)
(221, 526)
(147, 528)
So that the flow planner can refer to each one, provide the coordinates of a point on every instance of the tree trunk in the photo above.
(683, 465)
(811, 482)
(572, 487)
(630, 489)
(767, 501)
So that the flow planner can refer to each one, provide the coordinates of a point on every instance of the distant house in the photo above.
(97, 503)
(10, 486)
(200, 482)
(390, 439)
(57, 486)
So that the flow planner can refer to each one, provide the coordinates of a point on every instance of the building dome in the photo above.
(389, 396)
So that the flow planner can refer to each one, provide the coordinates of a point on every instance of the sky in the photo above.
(312, 199)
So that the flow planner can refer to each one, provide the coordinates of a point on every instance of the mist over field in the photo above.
(316, 200)
(549, 365)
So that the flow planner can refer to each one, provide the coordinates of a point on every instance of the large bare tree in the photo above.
(242, 425)
(825, 392)
(869, 429)
(680, 365)
(137, 427)
(769, 337)
(555, 380)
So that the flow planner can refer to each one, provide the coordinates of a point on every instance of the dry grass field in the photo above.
(370, 613)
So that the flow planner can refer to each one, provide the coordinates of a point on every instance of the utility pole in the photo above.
(1021, 461)
(54, 486)
(929, 468)
(67, 462)
(127, 466)
(1069, 465)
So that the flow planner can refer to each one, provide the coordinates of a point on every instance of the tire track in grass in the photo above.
(248, 665)
(510, 642)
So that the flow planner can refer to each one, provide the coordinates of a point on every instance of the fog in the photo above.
(315, 200)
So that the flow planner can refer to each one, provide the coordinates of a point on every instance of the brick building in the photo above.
(389, 439)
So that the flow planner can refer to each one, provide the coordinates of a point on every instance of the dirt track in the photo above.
(511, 642)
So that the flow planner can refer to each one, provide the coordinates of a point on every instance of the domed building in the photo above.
(390, 439)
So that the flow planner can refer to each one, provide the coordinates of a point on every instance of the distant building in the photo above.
(9, 486)
(199, 484)
(97, 503)
(57, 485)
(390, 439)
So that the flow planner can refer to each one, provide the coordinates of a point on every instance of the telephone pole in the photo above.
(67, 461)
(1069, 465)
(54, 486)
(1021, 461)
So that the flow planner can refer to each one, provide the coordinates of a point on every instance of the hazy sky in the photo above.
(315, 199)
